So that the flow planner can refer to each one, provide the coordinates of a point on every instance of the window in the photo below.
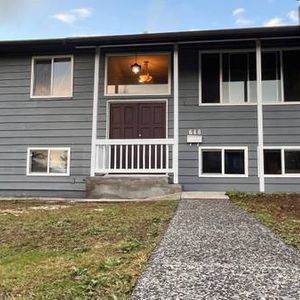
(52, 77)
(48, 161)
(284, 161)
(153, 78)
(228, 78)
(218, 161)
(271, 77)
(291, 75)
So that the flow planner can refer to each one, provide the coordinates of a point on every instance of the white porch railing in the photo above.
(136, 156)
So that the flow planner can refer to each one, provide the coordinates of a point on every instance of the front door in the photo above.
(138, 120)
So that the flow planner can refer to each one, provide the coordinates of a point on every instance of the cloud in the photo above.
(274, 22)
(293, 16)
(240, 17)
(73, 15)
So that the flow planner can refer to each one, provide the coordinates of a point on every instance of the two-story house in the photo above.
(210, 110)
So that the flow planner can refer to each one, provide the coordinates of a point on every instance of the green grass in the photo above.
(82, 251)
(280, 212)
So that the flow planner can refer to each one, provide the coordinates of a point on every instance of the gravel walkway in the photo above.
(214, 250)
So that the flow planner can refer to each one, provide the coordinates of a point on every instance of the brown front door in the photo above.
(138, 121)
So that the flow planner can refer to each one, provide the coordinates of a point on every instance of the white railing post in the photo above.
(95, 112)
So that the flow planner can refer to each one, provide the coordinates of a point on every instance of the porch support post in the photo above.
(176, 114)
(260, 125)
(95, 110)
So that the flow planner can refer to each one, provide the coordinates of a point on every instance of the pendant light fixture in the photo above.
(136, 68)
(145, 76)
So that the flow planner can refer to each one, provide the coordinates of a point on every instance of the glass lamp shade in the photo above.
(136, 68)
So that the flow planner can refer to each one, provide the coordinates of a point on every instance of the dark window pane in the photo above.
(271, 81)
(272, 161)
(212, 161)
(292, 161)
(234, 162)
(42, 77)
(39, 161)
(210, 75)
(239, 78)
(291, 72)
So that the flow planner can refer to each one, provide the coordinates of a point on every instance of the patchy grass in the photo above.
(77, 251)
(280, 212)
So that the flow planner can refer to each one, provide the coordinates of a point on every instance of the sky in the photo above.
(36, 19)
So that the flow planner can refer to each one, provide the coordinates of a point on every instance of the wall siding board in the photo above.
(26, 122)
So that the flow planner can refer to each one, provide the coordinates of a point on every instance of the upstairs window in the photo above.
(52, 77)
(230, 78)
(143, 74)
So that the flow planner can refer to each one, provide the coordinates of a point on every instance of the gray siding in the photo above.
(282, 128)
(220, 125)
(44, 123)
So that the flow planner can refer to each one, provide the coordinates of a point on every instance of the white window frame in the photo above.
(282, 151)
(221, 52)
(52, 57)
(168, 93)
(28, 173)
(223, 148)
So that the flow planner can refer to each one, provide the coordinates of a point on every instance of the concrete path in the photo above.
(214, 250)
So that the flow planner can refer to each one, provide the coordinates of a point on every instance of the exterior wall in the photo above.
(220, 125)
(282, 128)
(44, 123)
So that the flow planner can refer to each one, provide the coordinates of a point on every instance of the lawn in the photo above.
(77, 251)
(280, 212)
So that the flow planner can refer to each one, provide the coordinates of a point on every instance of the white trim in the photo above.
(108, 102)
(49, 149)
(168, 93)
(223, 149)
(282, 156)
(260, 118)
(176, 114)
(52, 57)
(95, 110)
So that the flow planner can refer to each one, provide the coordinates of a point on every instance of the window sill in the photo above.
(135, 95)
(283, 103)
(49, 175)
(283, 176)
(51, 97)
(223, 176)
(227, 104)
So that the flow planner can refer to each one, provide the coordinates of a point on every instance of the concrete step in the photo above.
(129, 187)
(204, 196)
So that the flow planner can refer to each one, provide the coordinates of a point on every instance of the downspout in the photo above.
(95, 111)
(176, 114)
(260, 125)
